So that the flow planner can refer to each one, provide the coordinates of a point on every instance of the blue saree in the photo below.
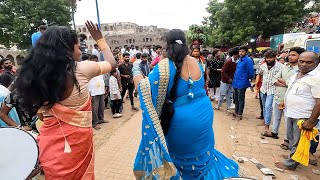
(13, 113)
(187, 151)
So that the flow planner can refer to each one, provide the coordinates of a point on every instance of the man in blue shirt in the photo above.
(241, 81)
(36, 36)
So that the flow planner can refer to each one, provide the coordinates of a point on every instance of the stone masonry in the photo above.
(127, 33)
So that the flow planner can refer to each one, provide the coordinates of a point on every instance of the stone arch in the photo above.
(84, 29)
(119, 26)
(111, 28)
(19, 59)
(79, 29)
(9, 56)
(105, 28)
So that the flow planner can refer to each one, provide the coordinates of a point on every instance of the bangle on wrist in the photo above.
(102, 44)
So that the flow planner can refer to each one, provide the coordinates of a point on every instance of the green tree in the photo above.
(20, 19)
(236, 22)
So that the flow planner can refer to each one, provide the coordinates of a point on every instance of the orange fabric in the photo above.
(133, 59)
(56, 164)
(258, 82)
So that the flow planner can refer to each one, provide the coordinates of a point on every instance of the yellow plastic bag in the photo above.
(302, 153)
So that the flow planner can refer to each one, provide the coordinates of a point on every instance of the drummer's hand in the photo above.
(27, 128)
(94, 30)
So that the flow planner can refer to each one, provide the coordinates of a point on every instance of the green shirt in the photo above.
(285, 74)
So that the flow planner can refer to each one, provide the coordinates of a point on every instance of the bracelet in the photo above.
(102, 44)
(102, 39)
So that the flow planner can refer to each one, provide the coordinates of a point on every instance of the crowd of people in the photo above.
(310, 24)
(68, 88)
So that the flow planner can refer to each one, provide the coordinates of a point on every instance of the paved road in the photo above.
(114, 160)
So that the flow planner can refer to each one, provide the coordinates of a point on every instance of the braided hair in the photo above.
(176, 50)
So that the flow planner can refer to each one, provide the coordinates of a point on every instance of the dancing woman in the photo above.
(53, 82)
(177, 135)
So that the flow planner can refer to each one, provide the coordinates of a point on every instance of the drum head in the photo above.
(19, 153)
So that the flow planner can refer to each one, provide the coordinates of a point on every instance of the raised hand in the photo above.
(94, 30)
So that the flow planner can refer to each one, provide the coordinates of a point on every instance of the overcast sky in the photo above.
(162, 13)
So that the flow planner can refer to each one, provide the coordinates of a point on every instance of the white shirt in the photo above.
(136, 51)
(97, 86)
(96, 52)
(145, 50)
(301, 94)
(114, 88)
(137, 62)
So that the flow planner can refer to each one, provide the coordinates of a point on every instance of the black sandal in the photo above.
(274, 135)
(285, 145)
(266, 134)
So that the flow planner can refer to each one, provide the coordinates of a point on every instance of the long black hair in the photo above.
(44, 72)
(176, 50)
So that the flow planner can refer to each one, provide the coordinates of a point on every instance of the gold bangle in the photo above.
(102, 44)
(102, 39)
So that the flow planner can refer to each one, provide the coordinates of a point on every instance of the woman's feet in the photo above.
(135, 108)
(96, 127)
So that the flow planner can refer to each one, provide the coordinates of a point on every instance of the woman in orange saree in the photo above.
(53, 82)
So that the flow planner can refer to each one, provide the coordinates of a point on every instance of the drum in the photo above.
(19, 154)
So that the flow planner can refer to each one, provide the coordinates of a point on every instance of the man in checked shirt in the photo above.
(268, 70)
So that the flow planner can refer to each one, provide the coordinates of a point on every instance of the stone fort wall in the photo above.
(127, 33)
(117, 34)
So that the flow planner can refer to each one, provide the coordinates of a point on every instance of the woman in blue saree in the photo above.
(177, 134)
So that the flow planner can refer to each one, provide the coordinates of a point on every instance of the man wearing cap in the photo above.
(35, 36)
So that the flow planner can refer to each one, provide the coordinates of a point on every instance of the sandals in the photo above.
(285, 145)
(272, 135)
(135, 108)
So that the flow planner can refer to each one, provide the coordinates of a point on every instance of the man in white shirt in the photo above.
(97, 91)
(302, 102)
(138, 60)
(136, 50)
(95, 51)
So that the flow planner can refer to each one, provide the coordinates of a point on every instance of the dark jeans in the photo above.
(106, 98)
(130, 88)
(116, 104)
(314, 145)
(239, 98)
(261, 106)
(97, 109)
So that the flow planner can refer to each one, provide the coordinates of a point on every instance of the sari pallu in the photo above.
(153, 160)
(73, 126)
(159, 157)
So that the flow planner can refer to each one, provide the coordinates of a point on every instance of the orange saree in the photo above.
(75, 127)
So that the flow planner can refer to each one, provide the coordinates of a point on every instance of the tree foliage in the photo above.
(198, 33)
(236, 22)
(19, 19)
